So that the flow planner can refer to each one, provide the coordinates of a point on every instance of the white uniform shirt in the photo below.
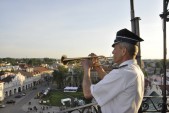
(122, 90)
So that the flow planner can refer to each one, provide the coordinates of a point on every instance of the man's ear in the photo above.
(124, 50)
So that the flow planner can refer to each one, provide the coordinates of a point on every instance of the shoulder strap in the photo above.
(120, 66)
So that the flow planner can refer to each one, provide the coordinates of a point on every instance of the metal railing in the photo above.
(149, 104)
(88, 108)
(153, 104)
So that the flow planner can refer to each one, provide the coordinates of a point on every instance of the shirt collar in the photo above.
(128, 62)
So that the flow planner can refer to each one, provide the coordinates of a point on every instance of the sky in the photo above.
(76, 28)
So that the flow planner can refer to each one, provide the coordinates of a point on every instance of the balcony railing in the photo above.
(149, 104)
(88, 108)
(152, 104)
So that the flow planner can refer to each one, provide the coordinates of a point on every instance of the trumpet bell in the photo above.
(63, 60)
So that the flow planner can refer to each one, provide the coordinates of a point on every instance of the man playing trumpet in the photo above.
(121, 90)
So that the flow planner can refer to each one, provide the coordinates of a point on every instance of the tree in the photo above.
(59, 76)
(30, 62)
(12, 61)
(159, 64)
(34, 62)
(48, 61)
(79, 75)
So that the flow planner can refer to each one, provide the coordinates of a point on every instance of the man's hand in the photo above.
(95, 60)
(86, 63)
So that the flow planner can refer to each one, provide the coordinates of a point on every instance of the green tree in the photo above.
(59, 76)
(1, 61)
(159, 64)
(63, 69)
(79, 75)
(30, 62)
(48, 61)
(79, 71)
(9, 60)
(34, 62)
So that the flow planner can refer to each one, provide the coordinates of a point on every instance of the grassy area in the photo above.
(55, 97)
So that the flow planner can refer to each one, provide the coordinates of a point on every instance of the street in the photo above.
(22, 104)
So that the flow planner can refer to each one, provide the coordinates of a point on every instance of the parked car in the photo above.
(2, 105)
(10, 102)
(34, 88)
(18, 96)
(23, 93)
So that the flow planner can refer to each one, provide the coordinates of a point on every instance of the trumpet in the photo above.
(65, 60)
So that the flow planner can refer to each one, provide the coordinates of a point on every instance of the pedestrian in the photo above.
(43, 107)
(35, 108)
(29, 103)
(122, 89)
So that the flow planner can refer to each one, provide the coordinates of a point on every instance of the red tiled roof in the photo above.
(40, 69)
(28, 74)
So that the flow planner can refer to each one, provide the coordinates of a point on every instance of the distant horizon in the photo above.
(70, 57)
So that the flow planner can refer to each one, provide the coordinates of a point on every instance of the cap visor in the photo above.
(115, 43)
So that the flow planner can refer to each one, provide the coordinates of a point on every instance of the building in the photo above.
(21, 80)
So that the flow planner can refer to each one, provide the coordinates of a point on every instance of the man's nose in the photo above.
(113, 51)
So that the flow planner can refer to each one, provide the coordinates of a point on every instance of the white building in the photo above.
(18, 81)
(1, 91)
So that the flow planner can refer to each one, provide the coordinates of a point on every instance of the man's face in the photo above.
(117, 53)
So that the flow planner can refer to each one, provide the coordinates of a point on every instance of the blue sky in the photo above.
(52, 28)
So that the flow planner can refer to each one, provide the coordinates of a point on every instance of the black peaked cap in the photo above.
(124, 35)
